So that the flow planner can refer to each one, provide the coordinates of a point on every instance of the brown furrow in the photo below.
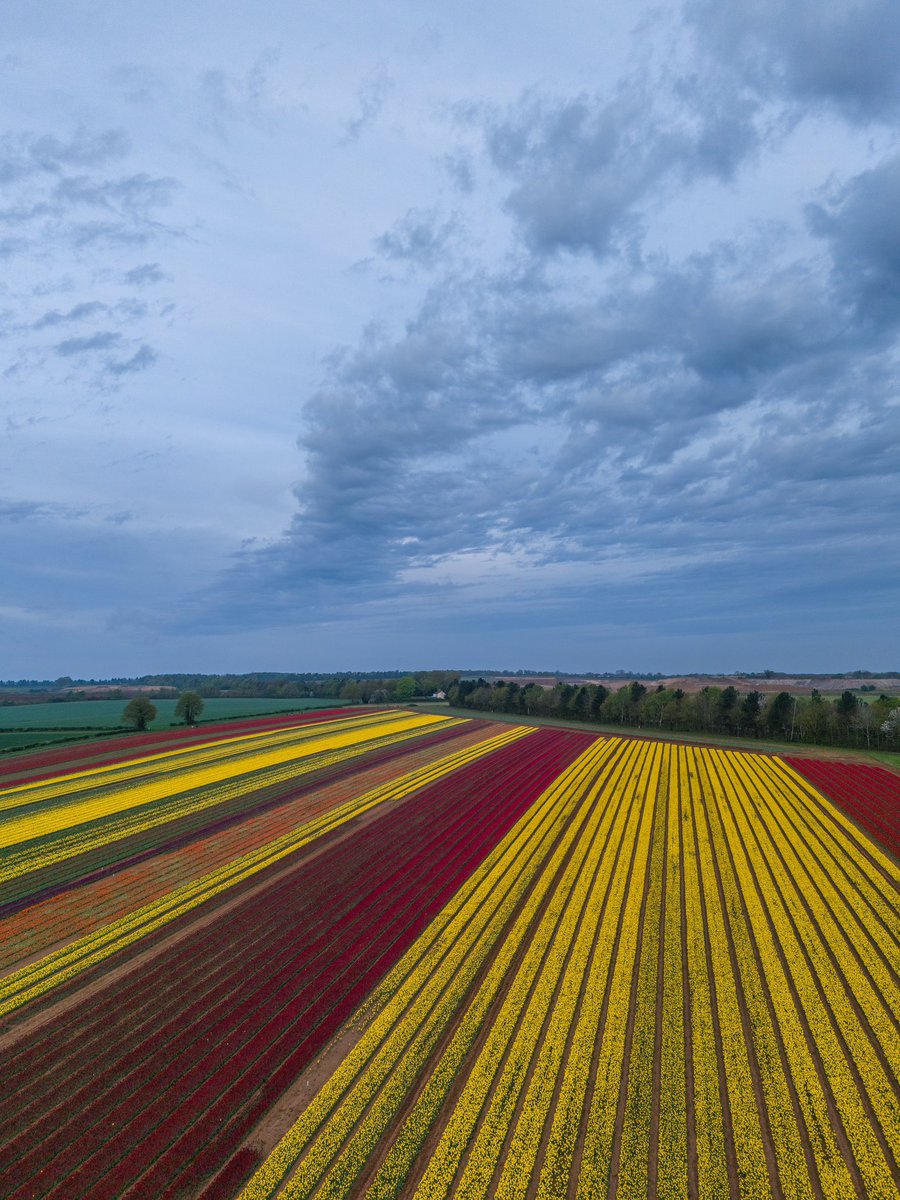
(690, 1104)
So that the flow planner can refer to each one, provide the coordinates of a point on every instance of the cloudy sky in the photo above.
(409, 334)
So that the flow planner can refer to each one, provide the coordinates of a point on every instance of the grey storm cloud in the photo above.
(136, 194)
(142, 358)
(844, 54)
(73, 207)
(78, 312)
(421, 238)
(229, 99)
(721, 396)
(583, 167)
(145, 273)
(862, 224)
(52, 185)
(28, 154)
(103, 340)
(372, 96)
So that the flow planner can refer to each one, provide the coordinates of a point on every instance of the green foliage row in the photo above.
(812, 719)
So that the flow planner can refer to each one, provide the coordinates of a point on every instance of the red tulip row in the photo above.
(207, 1040)
(109, 751)
(870, 794)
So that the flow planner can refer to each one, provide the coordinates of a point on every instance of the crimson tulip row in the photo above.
(868, 793)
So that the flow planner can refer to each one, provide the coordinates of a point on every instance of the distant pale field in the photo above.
(107, 714)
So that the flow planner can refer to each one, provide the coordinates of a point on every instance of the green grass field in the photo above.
(19, 740)
(75, 715)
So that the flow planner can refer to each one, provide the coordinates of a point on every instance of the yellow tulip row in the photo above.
(557, 1166)
(563, 795)
(711, 1166)
(821, 991)
(486, 1107)
(859, 971)
(595, 900)
(64, 817)
(869, 908)
(635, 1152)
(749, 1152)
(773, 1102)
(672, 1159)
(39, 977)
(602, 1105)
(830, 1168)
(34, 855)
(160, 762)
(575, 1029)
(411, 1010)
(566, 794)
(420, 1122)
(768, 1107)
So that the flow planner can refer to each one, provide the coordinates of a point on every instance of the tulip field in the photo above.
(384, 953)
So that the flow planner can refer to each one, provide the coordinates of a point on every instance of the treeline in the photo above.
(369, 688)
(376, 687)
(845, 721)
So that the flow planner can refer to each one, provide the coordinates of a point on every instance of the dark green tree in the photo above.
(139, 712)
(750, 710)
(726, 705)
(189, 707)
(405, 688)
(778, 713)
